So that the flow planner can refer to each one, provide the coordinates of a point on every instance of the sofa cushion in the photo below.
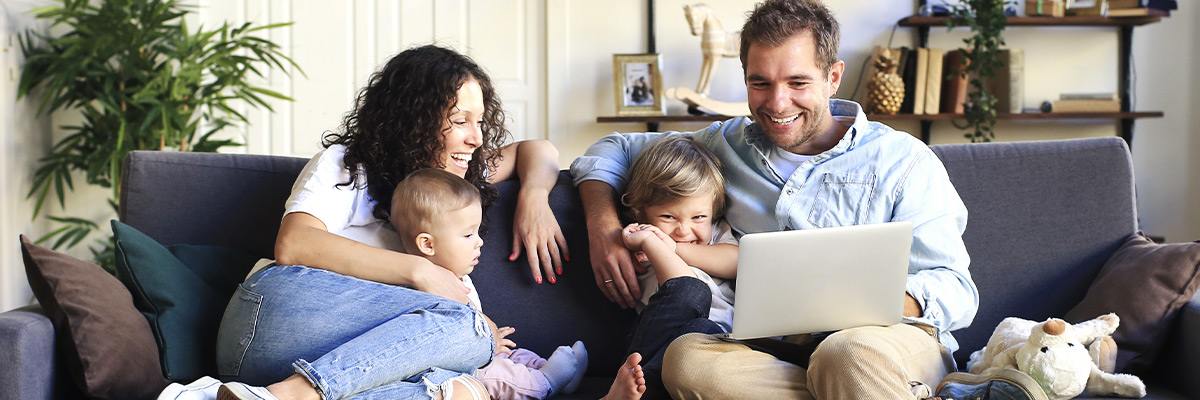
(104, 344)
(1145, 284)
(182, 290)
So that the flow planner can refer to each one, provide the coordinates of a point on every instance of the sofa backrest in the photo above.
(233, 200)
(1043, 217)
(236, 200)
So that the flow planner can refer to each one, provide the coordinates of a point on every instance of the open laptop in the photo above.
(820, 280)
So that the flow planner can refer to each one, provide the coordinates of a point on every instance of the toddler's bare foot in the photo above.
(631, 381)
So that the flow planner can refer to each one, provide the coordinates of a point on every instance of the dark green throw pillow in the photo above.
(182, 290)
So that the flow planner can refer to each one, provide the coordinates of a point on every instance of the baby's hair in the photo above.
(424, 194)
(674, 167)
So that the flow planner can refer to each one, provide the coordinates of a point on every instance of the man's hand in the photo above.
(612, 264)
(911, 307)
(614, 268)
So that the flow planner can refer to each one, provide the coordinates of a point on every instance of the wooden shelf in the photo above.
(903, 117)
(1042, 21)
(1022, 116)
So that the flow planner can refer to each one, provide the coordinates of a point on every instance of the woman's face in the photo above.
(462, 132)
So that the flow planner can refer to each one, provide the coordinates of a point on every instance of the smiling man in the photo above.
(804, 161)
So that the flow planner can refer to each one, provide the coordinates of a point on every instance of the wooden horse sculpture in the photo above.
(714, 42)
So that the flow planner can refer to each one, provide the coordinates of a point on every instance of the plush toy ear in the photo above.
(425, 244)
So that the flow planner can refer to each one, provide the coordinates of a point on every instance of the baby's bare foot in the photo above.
(631, 381)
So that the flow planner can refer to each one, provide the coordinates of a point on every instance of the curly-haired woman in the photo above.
(346, 312)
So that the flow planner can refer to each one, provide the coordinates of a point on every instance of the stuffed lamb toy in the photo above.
(1064, 359)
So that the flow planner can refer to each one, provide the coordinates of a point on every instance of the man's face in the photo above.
(789, 94)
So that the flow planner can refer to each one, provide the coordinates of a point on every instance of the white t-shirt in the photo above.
(346, 211)
(721, 310)
(786, 163)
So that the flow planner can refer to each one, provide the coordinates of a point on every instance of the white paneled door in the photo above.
(339, 44)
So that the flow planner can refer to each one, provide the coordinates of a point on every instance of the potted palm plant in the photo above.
(141, 80)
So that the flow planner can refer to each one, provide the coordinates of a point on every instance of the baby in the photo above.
(437, 215)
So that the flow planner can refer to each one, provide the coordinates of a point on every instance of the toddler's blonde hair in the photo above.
(674, 167)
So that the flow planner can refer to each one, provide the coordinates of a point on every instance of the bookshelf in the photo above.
(652, 122)
(1124, 119)
(1124, 26)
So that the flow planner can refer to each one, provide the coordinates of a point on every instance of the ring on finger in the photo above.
(608, 281)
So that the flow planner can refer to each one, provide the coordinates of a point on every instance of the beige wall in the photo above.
(575, 58)
(1058, 59)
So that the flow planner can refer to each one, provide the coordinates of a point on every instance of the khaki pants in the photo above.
(894, 362)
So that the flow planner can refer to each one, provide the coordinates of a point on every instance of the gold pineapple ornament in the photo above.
(885, 89)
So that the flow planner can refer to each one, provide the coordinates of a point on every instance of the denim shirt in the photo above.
(873, 175)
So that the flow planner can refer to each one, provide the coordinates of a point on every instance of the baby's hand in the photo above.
(503, 344)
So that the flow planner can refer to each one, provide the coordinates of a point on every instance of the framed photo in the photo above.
(638, 84)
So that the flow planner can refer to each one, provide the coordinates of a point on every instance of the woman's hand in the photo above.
(536, 231)
(438, 281)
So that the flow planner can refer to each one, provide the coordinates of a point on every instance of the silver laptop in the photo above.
(820, 280)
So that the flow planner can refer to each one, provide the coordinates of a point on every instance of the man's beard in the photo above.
(810, 130)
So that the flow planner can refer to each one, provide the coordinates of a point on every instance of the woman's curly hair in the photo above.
(396, 126)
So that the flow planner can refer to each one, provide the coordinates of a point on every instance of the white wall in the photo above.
(1058, 59)
(553, 62)
(23, 139)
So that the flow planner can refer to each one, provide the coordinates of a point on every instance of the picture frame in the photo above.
(637, 83)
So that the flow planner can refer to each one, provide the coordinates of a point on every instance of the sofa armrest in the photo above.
(27, 346)
(1179, 362)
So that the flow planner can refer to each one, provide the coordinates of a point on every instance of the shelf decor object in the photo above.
(1124, 26)
(981, 61)
(638, 84)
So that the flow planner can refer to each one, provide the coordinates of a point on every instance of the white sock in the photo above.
(581, 362)
(559, 369)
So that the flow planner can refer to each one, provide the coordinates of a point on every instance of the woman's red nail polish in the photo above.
(552, 280)
(568, 258)
(559, 271)
(539, 280)
(512, 257)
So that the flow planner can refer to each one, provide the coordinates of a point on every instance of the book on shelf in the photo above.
(1162, 4)
(1094, 8)
(933, 82)
(1115, 4)
(919, 84)
(1089, 96)
(954, 87)
(1138, 12)
(1085, 105)
(909, 75)
(1008, 85)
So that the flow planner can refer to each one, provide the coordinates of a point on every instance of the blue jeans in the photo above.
(349, 337)
(680, 307)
